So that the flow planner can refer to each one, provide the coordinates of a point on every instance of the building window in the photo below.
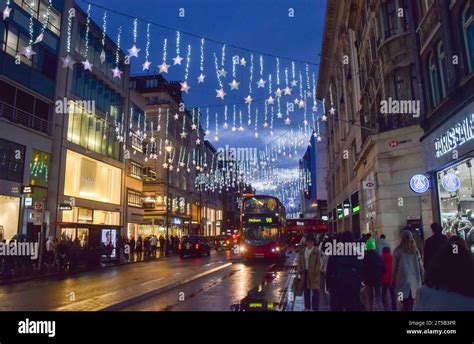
(12, 161)
(468, 29)
(434, 81)
(39, 9)
(135, 199)
(442, 68)
(151, 83)
(135, 170)
(149, 173)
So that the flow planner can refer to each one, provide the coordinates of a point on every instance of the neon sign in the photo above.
(458, 135)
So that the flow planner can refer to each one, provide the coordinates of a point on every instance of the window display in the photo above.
(456, 200)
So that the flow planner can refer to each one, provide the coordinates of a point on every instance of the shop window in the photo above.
(39, 169)
(135, 170)
(468, 30)
(456, 199)
(110, 218)
(135, 199)
(12, 161)
(9, 216)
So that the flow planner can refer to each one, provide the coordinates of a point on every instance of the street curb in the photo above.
(156, 292)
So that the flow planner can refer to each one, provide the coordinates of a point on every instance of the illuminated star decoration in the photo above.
(176, 116)
(261, 83)
(117, 73)
(87, 65)
(198, 141)
(294, 83)
(185, 87)
(270, 100)
(6, 12)
(243, 62)
(332, 111)
(234, 85)
(164, 67)
(248, 99)
(39, 38)
(177, 60)
(279, 115)
(278, 92)
(296, 101)
(68, 62)
(302, 104)
(201, 78)
(222, 73)
(183, 135)
(133, 51)
(221, 94)
(193, 126)
(28, 52)
(146, 65)
(324, 118)
(315, 107)
(102, 56)
(287, 91)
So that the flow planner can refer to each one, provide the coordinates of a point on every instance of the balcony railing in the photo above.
(24, 118)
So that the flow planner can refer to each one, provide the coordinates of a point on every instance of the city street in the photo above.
(201, 283)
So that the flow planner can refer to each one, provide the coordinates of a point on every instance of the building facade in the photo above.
(370, 83)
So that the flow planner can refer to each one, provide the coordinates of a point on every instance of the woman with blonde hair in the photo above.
(407, 270)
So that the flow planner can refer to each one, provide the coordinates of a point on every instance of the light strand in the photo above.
(188, 60)
(88, 21)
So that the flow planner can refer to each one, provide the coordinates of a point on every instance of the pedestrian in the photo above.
(344, 277)
(373, 269)
(324, 263)
(146, 244)
(132, 248)
(49, 255)
(153, 244)
(416, 237)
(434, 243)
(381, 243)
(309, 268)
(162, 246)
(387, 280)
(139, 248)
(407, 270)
(449, 283)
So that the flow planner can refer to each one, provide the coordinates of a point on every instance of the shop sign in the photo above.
(177, 221)
(26, 189)
(451, 182)
(28, 202)
(458, 135)
(419, 183)
(65, 206)
(368, 185)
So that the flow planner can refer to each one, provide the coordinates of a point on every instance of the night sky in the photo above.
(262, 25)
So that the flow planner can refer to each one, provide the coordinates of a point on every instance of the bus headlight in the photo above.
(242, 249)
(277, 249)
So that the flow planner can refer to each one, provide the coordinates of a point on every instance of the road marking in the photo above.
(152, 281)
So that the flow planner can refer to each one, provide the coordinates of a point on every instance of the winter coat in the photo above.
(432, 246)
(387, 275)
(430, 299)
(373, 268)
(314, 268)
(343, 275)
(407, 272)
(381, 243)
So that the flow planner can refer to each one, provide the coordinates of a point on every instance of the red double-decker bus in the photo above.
(299, 227)
(263, 228)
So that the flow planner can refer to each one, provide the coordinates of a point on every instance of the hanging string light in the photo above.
(117, 73)
(241, 127)
(220, 92)
(164, 67)
(234, 119)
(256, 123)
(133, 51)
(225, 126)
(208, 131)
(216, 137)
(146, 65)
(184, 85)
(261, 82)
(201, 77)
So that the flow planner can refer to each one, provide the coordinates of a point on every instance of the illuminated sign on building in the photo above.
(458, 135)
(419, 183)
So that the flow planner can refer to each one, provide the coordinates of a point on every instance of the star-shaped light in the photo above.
(248, 99)
(165, 165)
(261, 83)
(279, 115)
(265, 124)
(198, 141)
(146, 65)
(193, 126)
(39, 38)
(287, 91)
(6, 12)
(221, 94)
(208, 132)
(296, 101)
(243, 62)
(315, 108)
(183, 135)
(234, 128)
(182, 164)
(176, 116)
(185, 87)
(287, 121)
(164, 67)
(309, 94)
(294, 83)
(68, 62)
(324, 118)
(301, 104)
(133, 51)
(270, 100)
(222, 73)
(332, 111)
(216, 138)
(241, 128)
(177, 60)
(234, 85)
(201, 78)
(305, 122)
(102, 56)
(278, 92)
(319, 139)
(256, 134)
(28, 52)
(171, 167)
(117, 73)
(87, 65)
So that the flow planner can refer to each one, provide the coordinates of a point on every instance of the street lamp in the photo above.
(169, 149)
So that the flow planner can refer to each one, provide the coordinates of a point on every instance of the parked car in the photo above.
(224, 242)
(194, 245)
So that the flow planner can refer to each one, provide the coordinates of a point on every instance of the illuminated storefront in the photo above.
(9, 216)
(91, 179)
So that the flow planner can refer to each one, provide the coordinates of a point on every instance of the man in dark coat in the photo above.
(434, 244)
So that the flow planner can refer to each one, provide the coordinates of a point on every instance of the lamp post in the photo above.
(169, 149)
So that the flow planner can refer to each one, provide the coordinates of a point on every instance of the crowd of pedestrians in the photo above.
(435, 275)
